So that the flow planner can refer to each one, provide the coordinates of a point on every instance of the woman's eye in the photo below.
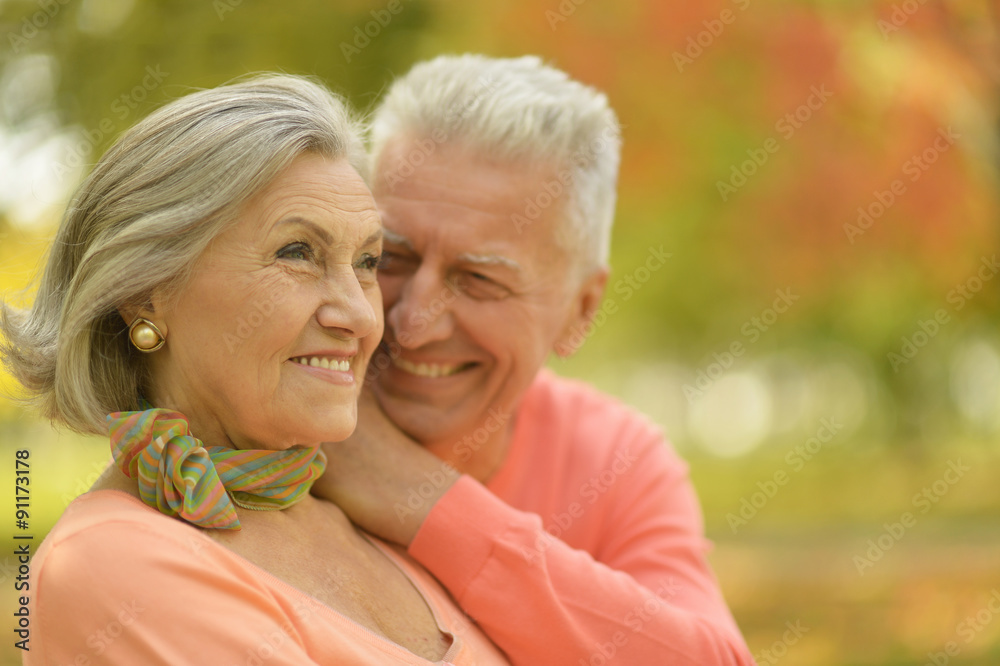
(369, 262)
(297, 250)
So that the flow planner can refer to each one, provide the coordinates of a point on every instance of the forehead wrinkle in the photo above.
(363, 220)
(296, 203)
(440, 204)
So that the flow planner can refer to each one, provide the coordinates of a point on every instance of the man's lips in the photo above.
(432, 370)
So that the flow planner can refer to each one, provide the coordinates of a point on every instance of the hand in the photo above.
(384, 481)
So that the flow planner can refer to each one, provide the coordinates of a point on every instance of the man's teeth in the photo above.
(427, 369)
(343, 365)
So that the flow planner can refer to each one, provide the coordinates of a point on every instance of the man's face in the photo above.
(474, 300)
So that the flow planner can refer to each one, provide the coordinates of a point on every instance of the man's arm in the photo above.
(650, 600)
(384, 481)
(645, 595)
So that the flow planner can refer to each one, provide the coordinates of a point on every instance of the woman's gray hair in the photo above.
(141, 218)
(517, 110)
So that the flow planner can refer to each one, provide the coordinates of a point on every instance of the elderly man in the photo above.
(559, 519)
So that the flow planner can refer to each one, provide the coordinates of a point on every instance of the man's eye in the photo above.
(392, 263)
(298, 250)
(479, 286)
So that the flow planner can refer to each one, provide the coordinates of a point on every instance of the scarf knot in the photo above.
(181, 477)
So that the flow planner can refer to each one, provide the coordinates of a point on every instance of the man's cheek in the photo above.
(389, 286)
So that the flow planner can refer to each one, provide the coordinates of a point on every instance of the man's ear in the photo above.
(586, 303)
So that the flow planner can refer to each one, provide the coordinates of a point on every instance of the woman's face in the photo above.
(268, 341)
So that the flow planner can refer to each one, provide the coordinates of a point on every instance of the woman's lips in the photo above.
(325, 362)
(333, 369)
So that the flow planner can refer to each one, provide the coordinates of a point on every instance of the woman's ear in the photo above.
(151, 309)
(586, 303)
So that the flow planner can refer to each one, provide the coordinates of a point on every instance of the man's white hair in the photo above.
(517, 110)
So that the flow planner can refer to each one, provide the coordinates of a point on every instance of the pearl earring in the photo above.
(145, 336)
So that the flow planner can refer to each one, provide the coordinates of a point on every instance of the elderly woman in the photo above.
(211, 303)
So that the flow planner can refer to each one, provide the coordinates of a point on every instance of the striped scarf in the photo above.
(181, 477)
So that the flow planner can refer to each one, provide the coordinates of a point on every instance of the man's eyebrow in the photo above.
(490, 260)
(374, 238)
(315, 228)
(396, 239)
(467, 257)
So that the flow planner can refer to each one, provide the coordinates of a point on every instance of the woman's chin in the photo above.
(337, 430)
(329, 425)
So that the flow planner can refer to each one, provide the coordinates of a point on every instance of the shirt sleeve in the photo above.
(125, 593)
(643, 594)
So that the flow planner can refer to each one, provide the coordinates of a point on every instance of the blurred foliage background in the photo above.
(822, 344)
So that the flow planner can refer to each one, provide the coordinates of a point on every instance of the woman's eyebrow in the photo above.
(323, 234)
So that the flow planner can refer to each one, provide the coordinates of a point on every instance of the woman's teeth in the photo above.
(343, 365)
(428, 369)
